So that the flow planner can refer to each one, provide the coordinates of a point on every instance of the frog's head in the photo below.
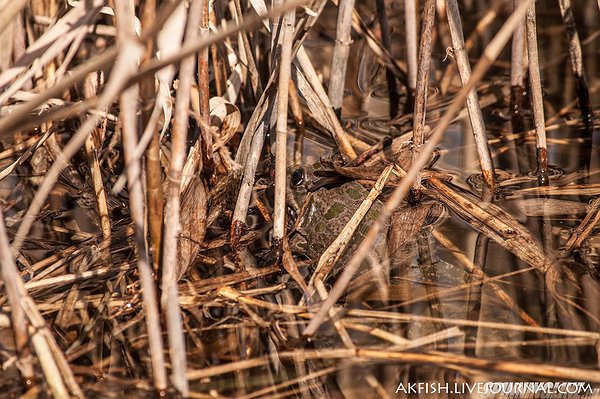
(299, 179)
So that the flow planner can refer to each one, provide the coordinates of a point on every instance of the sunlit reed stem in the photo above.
(577, 62)
(296, 109)
(154, 193)
(464, 69)
(422, 86)
(537, 99)
(341, 138)
(285, 65)
(92, 150)
(169, 299)
(517, 71)
(341, 51)
(204, 94)
(410, 24)
(128, 118)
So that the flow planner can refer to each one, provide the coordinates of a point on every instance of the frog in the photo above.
(322, 206)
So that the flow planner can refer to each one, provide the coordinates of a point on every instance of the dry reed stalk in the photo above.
(581, 86)
(56, 39)
(343, 333)
(10, 9)
(483, 23)
(250, 61)
(154, 193)
(422, 88)
(169, 299)
(447, 360)
(285, 65)
(410, 25)
(537, 99)
(477, 270)
(56, 370)
(20, 113)
(475, 116)
(517, 79)
(296, 109)
(386, 41)
(114, 86)
(91, 149)
(10, 275)
(341, 51)
(342, 139)
(204, 94)
(490, 53)
(130, 50)
(584, 229)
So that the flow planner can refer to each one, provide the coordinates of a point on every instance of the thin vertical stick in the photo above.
(288, 21)
(91, 151)
(204, 94)
(490, 54)
(297, 112)
(341, 51)
(251, 63)
(154, 193)
(169, 298)
(536, 96)
(387, 44)
(128, 102)
(464, 69)
(517, 76)
(422, 86)
(410, 23)
(577, 62)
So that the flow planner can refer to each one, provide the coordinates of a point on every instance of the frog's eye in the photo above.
(297, 177)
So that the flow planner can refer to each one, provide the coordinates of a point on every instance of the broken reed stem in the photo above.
(410, 23)
(422, 86)
(170, 295)
(204, 93)
(10, 276)
(576, 57)
(130, 50)
(154, 192)
(341, 138)
(517, 79)
(537, 99)
(285, 65)
(489, 55)
(483, 23)
(475, 116)
(250, 61)
(238, 222)
(296, 109)
(386, 41)
(341, 51)
(91, 152)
